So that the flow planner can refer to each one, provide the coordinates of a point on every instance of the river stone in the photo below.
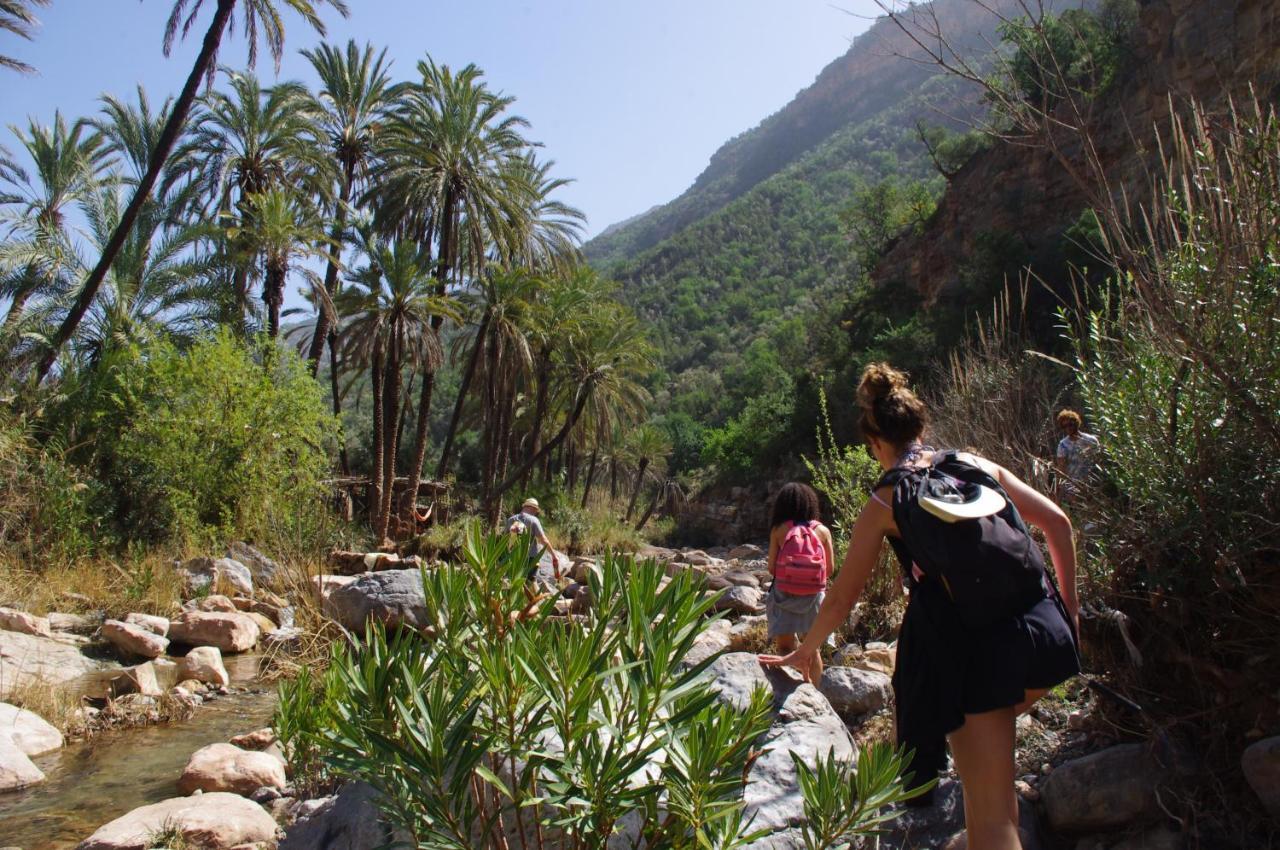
(204, 664)
(27, 624)
(217, 604)
(131, 639)
(259, 739)
(743, 600)
(152, 623)
(229, 632)
(75, 623)
(141, 679)
(27, 660)
(714, 638)
(263, 569)
(742, 579)
(323, 585)
(226, 767)
(16, 768)
(212, 821)
(1109, 789)
(655, 553)
(746, 552)
(1261, 766)
(391, 597)
(853, 691)
(350, 820)
(29, 731)
(265, 624)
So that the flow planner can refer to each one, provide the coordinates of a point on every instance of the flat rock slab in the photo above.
(27, 660)
(804, 723)
(1109, 789)
(226, 767)
(28, 624)
(213, 821)
(29, 731)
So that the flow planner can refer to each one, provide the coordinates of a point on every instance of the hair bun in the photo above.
(880, 381)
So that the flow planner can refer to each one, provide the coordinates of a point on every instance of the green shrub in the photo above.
(216, 440)
(485, 723)
(45, 502)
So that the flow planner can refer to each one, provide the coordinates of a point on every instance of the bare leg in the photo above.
(1029, 699)
(817, 667)
(983, 752)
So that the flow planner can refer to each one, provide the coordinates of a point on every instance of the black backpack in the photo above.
(989, 566)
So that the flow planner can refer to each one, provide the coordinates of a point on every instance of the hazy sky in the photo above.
(630, 98)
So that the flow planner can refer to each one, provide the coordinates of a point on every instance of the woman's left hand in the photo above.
(801, 659)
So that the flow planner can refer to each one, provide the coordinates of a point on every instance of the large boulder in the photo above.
(229, 632)
(204, 664)
(134, 640)
(716, 637)
(28, 624)
(142, 679)
(263, 569)
(746, 552)
(226, 767)
(213, 821)
(852, 691)
(28, 730)
(27, 660)
(349, 820)
(742, 600)
(1261, 766)
(1109, 789)
(216, 604)
(16, 768)
(804, 723)
(390, 597)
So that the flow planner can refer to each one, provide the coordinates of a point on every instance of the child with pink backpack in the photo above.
(801, 560)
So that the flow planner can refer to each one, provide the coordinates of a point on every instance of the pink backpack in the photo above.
(801, 566)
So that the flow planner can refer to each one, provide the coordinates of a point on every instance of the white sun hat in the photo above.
(951, 500)
(531, 504)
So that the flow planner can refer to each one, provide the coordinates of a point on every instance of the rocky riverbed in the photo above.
(218, 777)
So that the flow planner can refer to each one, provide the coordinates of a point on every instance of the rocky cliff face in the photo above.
(1211, 52)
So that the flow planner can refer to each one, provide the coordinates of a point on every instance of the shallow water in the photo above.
(94, 782)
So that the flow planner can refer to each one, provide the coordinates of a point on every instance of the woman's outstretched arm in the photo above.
(864, 550)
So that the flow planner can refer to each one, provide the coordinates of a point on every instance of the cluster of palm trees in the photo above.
(415, 215)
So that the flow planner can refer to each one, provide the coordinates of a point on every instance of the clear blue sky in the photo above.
(630, 98)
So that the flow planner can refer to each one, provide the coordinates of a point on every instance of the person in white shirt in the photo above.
(1076, 455)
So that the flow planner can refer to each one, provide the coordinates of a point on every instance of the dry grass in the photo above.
(57, 704)
(148, 584)
(752, 639)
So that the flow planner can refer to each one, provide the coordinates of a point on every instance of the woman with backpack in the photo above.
(801, 557)
(985, 633)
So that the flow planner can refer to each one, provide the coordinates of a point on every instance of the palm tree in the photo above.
(249, 141)
(648, 444)
(37, 251)
(256, 16)
(17, 17)
(392, 306)
(604, 364)
(280, 228)
(351, 106)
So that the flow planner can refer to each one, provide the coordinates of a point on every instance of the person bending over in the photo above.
(962, 671)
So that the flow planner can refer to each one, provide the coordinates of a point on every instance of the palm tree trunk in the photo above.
(16, 306)
(273, 297)
(591, 475)
(540, 402)
(323, 322)
(644, 464)
(410, 500)
(613, 480)
(405, 406)
(490, 424)
(168, 137)
(571, 463)
(584, 393)
(653, 505)
(375, 474)
(336, 391)
(443, 469)
(390, 404)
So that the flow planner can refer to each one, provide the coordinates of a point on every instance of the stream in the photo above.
(93, 782)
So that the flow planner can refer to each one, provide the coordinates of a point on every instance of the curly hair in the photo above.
(890, 410)
(1068, 416)
(795, 502)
